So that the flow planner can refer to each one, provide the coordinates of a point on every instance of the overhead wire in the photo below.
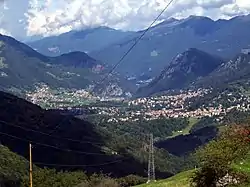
(57, 126)
(79, 165)
(53, 136)
(68, 150)
(137, 41)
(98, 83)
(51, 146)
(128, 51)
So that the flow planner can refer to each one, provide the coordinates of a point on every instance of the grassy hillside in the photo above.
(179, 180)
(243, 166)
(183, 179)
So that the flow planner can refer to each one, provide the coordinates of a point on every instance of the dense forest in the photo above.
(133, 137)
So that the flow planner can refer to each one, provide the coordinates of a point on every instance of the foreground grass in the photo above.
(179, 180)
(243, 166)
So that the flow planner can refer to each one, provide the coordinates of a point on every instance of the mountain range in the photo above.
(21, 68)
(192, 67)
(224, 38)
(183, 70)
(236, 70)
(88, 40)
(164, 41)
(198, 69)
(158, 56)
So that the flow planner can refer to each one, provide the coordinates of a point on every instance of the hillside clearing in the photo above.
(185, 131)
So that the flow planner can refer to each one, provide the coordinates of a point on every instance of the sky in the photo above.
(26, 18)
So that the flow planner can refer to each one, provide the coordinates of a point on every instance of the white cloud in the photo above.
(243, 4)
(4, 32)
(5, 7)
(49, 17)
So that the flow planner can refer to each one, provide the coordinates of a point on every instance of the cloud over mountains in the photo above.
(51, 17)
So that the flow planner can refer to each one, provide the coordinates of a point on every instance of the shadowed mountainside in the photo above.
(89, 151)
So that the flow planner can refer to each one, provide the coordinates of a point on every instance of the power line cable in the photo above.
(137, 41)
(86, 165)
(102, 80)
(129, 50)
(66, 165)
(51, 146)
(59, 124)
(111, 71)
(46, 134)
(46, 145)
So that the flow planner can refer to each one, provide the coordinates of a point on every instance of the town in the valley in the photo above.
(171, 105)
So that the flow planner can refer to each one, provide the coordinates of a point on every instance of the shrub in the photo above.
(217, 157)
(49, 177)
(99, 181)
(131, 180)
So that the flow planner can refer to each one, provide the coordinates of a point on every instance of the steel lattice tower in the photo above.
(151, 162)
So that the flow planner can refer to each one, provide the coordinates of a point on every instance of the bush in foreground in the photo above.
(99, 181)
(217, 157)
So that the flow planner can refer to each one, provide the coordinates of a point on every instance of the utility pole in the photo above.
(151, 162)
(30, 172)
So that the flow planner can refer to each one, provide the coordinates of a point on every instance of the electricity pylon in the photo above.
(151, 162)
